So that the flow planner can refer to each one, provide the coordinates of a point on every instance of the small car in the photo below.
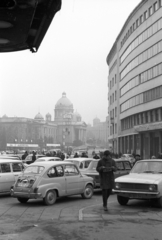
(50, 180)
(42, 159)
(143, 182)
(10, 169)
(88, 166)
(28, 159)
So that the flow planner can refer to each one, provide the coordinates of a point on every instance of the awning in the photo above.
(24, 23)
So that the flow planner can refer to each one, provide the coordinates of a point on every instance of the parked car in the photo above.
(7, 156)
(129, 157)
(82, 163)
(28, 159)
(10, 169)
(42, 159)
(49, 180)
(88, 166)
(143, 182)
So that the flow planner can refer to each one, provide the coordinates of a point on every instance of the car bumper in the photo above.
(137, 194)
(25, 195)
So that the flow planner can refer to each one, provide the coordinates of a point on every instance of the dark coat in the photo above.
(106, 174)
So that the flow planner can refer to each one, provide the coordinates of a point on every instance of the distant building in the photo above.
(98, 133)
(71, 130)
(67, 129)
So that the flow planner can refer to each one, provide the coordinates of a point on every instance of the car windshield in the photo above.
(147, 167)
(94, 165)
(34, 169)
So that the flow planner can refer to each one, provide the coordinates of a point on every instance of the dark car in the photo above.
(123, 167)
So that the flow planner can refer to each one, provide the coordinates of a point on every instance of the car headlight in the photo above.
(153, 188)
(117, 185)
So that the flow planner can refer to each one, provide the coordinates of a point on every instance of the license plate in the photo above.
(132, 195)
(22, 185)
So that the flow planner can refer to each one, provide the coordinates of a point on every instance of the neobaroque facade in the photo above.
(66, 129)
(135, 83)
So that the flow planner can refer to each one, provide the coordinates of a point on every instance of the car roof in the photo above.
(120, 160)
(10, 160)
(48, 164)
(48, 158)
(150, 160)
(79, 159)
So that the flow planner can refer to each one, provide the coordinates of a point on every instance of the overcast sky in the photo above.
(71, 59)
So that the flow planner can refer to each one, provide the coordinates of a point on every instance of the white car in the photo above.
(10, 169)
(143, 182)
(42, 159)
(50, 180)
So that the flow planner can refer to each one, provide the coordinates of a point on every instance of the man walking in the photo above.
(106, 167)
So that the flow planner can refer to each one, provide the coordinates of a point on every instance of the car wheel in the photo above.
(88, 192)
(122, 200)
(22, 200)
(50, 197)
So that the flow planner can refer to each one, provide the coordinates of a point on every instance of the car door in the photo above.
(127, 166)
(6, 177)
(56, 179)
(74, 180)
(17, 169)
(120, 169)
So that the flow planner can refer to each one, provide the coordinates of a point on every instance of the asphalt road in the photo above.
(77, 219)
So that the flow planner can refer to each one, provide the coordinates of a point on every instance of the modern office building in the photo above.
(135, 83)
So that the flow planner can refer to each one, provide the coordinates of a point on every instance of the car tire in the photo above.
(22, 200)
(122, 200)
(50, 197)
(88, 192)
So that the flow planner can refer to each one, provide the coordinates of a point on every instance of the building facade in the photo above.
(135, 83)
(71, 130)
(66, 129)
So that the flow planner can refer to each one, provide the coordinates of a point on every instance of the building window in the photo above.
(141, 19)
(155, 6)
(115, 128)
(134, 26)
(156, 115)
(137, 22)
(146, 117)
(151, 116)
(115, 111)
(115, 95)
(112, 82)
(160, 3)
(145, 15)
(150, 11)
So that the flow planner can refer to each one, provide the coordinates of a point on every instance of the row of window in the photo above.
(141, 78)
(113, 82)
(152, 9)
(142, 118)
(113, 113)
(113, 129)
(142, 37)
(144, 56)
(113, 98)
(141, 98)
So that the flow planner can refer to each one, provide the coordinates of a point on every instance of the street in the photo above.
(77, 219)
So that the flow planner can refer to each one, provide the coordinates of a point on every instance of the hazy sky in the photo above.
(71, 59)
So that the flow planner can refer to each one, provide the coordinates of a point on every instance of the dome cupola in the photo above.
(39, 117)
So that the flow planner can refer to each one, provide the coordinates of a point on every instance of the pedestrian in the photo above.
(24, 155)
(106, 167)
(33, 156)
